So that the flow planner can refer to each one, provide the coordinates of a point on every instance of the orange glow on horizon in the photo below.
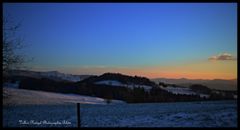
(200, 70)
(191, 76)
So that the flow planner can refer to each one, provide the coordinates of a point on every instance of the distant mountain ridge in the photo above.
(54, 75)
(220, 84)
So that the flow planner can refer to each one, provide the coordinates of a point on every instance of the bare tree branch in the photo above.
(11, 43)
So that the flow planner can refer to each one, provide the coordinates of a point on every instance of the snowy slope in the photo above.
(183, 91)
(220, 84)
(50, 74)
(21, 96)
(117, 83)
(179, 90)
(56, 74)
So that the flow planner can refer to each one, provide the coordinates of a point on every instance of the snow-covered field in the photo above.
(57, 111)
(13, 96)
(185, 114)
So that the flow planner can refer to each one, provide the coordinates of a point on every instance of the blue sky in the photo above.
(126, 34)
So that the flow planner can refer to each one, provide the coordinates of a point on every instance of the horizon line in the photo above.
(130, 75)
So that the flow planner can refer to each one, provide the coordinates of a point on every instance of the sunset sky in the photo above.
(171, 40)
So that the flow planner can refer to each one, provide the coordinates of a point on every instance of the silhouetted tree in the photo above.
(11, 44)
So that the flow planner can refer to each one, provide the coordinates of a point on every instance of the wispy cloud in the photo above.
(223, 56)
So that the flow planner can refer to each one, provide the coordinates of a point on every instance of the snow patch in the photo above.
(204, 95)
(235, 96)
(179, 90)
(110, 82)
(117, 83)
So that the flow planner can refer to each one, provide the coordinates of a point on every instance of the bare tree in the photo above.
(12, 43)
